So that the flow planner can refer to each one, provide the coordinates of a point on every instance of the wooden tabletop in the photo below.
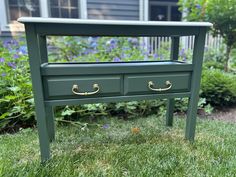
(111, 22)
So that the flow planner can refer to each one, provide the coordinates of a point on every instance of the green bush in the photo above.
(102, 49)
(16, 102)
(218, 88)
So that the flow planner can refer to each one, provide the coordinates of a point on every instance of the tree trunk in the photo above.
(228, 50)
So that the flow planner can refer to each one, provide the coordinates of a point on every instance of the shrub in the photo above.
(213, 65)
(16, 102)
(218, 88)
(98, 49)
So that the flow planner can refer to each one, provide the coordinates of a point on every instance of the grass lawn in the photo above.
(116, 151)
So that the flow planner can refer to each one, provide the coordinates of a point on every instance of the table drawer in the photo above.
(156, 83)
(82, 86)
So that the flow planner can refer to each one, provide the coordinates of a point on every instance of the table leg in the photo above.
(198, 50)
(170, 111)
(43, 133)
(191, 119)
(50, 123)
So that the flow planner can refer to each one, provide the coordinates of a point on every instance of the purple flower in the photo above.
(3, 74)
(143, 44)
(111, 43)
(155, 55)
(198, 6)
(15, 56)
(93, 45)
(133, 41)
(106, 126)
(87, 51)
(97, 60)
(22, 50)
(182, 52)
(10, 43)
(116, 59)
(12, 65)
(2, 60)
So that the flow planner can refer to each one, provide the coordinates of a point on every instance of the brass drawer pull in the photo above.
(75, 90)
(151, 85)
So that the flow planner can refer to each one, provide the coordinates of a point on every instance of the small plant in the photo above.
(218, 88)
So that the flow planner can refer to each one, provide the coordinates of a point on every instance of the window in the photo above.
(164, 10)
(64, 8)
(19, 8)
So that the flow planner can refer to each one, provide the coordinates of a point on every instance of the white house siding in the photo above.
(114, 10)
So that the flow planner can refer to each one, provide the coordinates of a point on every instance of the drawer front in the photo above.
(61, 87)
(139, 84)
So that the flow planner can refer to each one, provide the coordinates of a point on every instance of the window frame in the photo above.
(49, 10)
(7, 7)
(162, 3)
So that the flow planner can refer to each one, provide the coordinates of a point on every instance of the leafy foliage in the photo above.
(16, 102)
(220, 12)
(218, 88)
(102, 49)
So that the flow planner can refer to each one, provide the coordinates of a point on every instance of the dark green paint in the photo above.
(138, 83)
(195, 85)
(52, 82)
(50, 69)
(171, 102)
(60, 87)
(35, 61)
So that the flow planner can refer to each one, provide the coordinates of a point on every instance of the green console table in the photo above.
(79, 83)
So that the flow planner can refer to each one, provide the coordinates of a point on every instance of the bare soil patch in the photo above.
(226, 114)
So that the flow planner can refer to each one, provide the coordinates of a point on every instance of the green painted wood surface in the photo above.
(52, 82)
(171, 102)
(60, 87)
(138, 83)
(35, 60)
(195, 85)
(113, 28)
(113, 68)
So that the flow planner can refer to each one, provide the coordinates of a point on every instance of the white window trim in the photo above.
(43, 6)
(83, 14)
(143, 10)
(143, 16)
(3, 16)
